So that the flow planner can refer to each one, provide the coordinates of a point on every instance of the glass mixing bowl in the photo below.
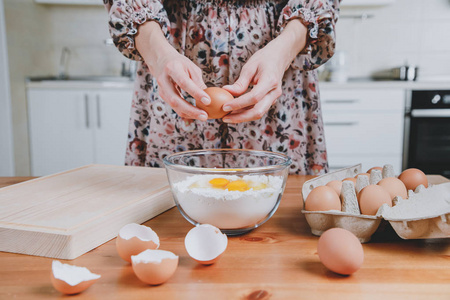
(235, 190)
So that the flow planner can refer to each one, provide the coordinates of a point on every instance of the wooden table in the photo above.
(277, 261)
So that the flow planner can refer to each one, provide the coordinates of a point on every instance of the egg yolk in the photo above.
(219, 182)
(259, 186)
(238, 185)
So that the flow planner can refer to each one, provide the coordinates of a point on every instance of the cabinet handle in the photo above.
(86, 109)
(340, 123)
(349, 101)
(99, 122)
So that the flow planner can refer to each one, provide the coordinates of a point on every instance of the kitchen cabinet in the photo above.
(72, 127)
(364, 126)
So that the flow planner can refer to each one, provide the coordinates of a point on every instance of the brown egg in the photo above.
(394, 186)
(335, 185)
(69, 279)
(322, 198)
(412, 178)
(218, 97)
(371, 198)
(154, 266)
(340, 251)
(366, 174)
(376, 168)
(351, 179)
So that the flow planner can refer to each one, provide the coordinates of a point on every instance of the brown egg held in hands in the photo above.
(394, 186)
(322, 198)
(371, 198)
(218, 97)
(340, 251)
(412, 178)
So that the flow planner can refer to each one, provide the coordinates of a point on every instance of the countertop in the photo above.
(278, 261)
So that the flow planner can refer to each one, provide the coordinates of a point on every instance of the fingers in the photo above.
(192, 86)
(245, 78)
(264, 86)
(257, 112)
(171, 95)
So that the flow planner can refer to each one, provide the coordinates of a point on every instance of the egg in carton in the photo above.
(349, 218)
(425, 214)
(422, 224)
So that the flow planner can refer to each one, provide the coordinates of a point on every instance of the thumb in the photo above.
(240, 86)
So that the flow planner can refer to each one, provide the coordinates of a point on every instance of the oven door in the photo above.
(429, 141)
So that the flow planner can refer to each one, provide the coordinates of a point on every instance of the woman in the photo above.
(263, 52)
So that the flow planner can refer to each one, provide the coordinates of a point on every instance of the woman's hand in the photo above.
(264, 70)
(172, 71)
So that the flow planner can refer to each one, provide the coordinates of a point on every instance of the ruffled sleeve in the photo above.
(125, 16)
(320, 17)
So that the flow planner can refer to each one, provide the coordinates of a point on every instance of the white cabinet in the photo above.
(71, 128)
(363, 126)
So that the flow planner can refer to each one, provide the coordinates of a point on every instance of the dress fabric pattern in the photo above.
(219, 37)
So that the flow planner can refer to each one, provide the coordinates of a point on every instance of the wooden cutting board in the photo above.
(68, 214)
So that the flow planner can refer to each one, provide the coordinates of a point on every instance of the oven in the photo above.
(427, 132)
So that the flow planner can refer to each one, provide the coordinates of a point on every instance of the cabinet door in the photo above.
(60, 124)
(111, 125)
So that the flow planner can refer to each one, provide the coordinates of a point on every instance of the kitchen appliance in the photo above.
(405, 73)
(427, 131)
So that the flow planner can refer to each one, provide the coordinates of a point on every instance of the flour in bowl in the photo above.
(231, 202)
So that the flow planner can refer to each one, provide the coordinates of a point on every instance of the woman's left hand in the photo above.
(264, 70)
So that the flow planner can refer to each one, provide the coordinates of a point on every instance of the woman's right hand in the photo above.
(173, 71)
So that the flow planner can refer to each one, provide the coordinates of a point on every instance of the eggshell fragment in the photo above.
(134, 238)
(154, 266)
(340, 251)
(69, 279)
(322, 198)
(205, 243)
(412, 178)
(394, 187)
(218, 97)
(371, 198)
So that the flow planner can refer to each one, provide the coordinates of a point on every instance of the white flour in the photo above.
(228, 209)
(430, 202)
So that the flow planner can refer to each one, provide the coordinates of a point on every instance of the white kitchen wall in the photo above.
(415, 31)
(36, 33)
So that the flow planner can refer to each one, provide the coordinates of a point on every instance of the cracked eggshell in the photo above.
(69, 279)
(154, 266)
(133, 239)
(205, 243)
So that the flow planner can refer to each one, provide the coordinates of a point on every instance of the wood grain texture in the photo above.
(67, 214)
(276, 261)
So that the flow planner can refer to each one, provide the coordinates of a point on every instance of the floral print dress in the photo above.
(220, 36)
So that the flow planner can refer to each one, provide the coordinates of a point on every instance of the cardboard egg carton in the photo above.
(425, 214)
(432, 225)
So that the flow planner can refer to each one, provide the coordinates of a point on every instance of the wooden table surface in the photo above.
(276, 261)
